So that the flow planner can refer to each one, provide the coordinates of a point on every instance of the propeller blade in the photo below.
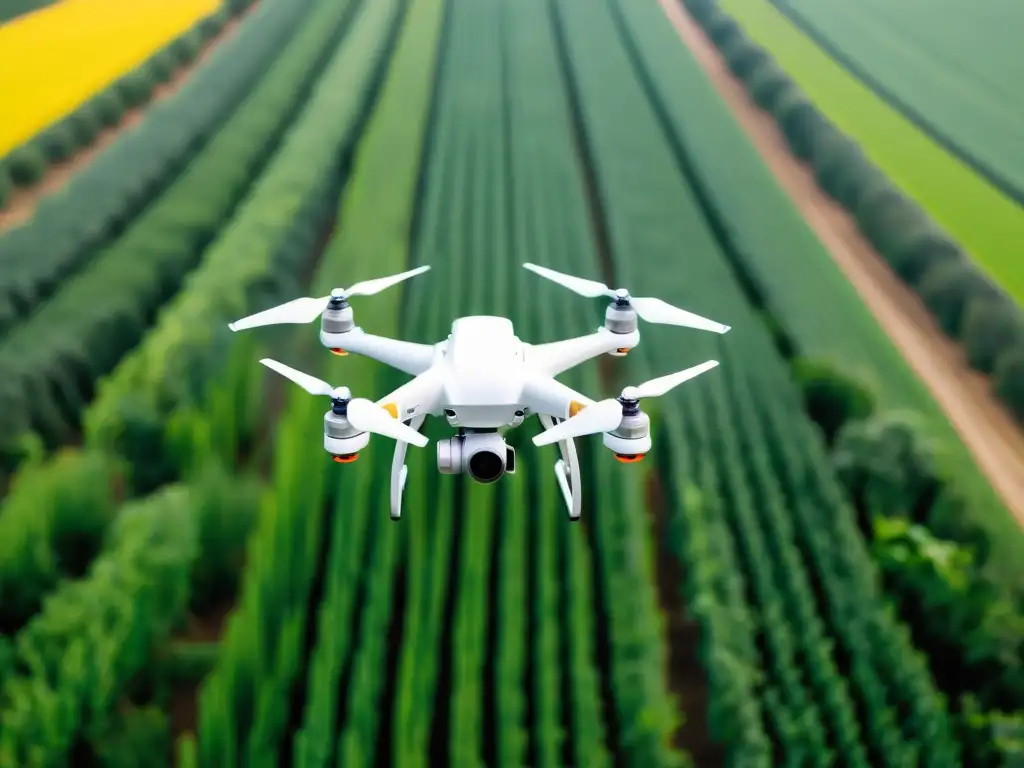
(304, 310)
(602, 416)
(367, 416)
(370, 287)
(660, 312)
(309, 383)
(658, 387)
(589, 288)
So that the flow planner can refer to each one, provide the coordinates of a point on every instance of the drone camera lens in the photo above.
(486, 466)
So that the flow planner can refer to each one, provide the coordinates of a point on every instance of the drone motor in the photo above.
(621, 318)
(484, 456)
(631, 440)
(341, 440)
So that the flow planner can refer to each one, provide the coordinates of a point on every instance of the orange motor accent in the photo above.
(339, 352)
(626, 458)
(623, 350)
(348, 459)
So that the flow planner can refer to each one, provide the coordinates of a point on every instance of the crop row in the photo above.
(100, 202)
(51, 369)
(75, 660)
(12, 9)
(965, 102)
(762, 447)
(818, 311)
(966, 304)
(973, 212)
(271, 641)
(24, 164)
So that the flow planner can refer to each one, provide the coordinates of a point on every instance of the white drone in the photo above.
(483, 378)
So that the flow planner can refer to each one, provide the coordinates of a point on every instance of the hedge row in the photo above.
(233, 723)
(101, 200)
(255, 262)
(12, 9)
(73, 663)
(52, 360)
(965, 303)
(26, 165)
(51, 526)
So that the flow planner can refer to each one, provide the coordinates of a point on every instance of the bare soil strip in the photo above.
(985, 428)
(23, 200)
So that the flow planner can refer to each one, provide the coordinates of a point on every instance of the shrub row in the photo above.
(255, 262)
(373, 214)
(52, 360)
(836, 672)
(964, 302)
(51, 526)
(101, 200)
(12, 9)
(74, 661)
(26, 165)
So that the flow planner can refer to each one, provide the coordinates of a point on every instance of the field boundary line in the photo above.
(928, 127)
(23, 202)
(964, 396)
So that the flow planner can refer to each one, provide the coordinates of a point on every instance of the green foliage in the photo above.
(990, 327)
(12, 9)
(52, 525)
(252, 263)
(137, 737)
(832, 399)
(116, 295)
(991, 739)
(75, 659)
(227, 514)
(947, 290)
(1008, 377)
(924, 257)
(885, 465)
(101, 199)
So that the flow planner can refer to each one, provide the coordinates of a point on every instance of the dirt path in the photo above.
(23, 200)
(985, 428)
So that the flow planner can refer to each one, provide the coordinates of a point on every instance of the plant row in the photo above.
(965, 303)
(101, 201)
(74, 663)
(26, 165)
(52, 365)
(786, 270)
(234, 727)
(807, 708)
(12, 9)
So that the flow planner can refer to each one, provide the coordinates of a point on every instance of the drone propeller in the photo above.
(306, 310)
(365, 415)
(651, 310)
(606, 415)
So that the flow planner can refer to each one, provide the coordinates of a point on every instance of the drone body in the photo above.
(483, 379)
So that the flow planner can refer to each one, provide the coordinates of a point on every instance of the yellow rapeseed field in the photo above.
(54, 59)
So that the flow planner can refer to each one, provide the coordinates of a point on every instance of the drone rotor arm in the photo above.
(602, 416)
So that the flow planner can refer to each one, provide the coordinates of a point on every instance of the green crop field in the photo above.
(956, 83)
(980, 217)
(187, 579)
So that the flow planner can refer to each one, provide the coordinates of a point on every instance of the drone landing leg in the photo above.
(567, 472)
(400, 472)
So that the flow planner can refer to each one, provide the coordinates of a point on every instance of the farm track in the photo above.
(23, 201)
(995, 442)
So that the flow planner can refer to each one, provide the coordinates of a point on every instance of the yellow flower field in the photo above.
(53, 60)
